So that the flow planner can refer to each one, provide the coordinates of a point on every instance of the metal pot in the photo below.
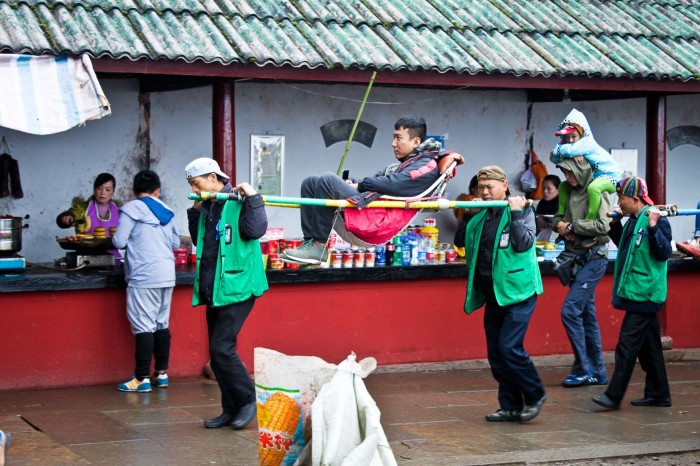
(11, 233)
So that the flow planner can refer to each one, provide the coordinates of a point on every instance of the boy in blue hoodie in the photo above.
(577, 142)
(147, 231)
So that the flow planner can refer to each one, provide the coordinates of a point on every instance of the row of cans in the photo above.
(353, 258)
(274, 247)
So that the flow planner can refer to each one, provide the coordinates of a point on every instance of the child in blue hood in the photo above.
(147, 231)
(577, 142)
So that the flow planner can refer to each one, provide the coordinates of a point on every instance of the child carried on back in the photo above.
(577, 142)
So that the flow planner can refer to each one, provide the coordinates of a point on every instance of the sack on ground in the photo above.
(285, 388)
(346, 422)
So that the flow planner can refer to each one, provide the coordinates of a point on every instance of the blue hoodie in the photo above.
(602, 163)
(149, 261)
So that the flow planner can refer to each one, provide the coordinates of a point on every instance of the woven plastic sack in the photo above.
(285, 388)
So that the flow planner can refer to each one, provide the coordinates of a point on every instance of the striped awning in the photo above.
(48, 94)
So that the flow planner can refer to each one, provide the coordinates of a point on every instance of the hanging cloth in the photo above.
(46, 94)
(539, 170)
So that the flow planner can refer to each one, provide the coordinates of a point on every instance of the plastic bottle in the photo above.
(406, 257)
(415, 248)
(398, 255)
(430, 252)
(430, 230)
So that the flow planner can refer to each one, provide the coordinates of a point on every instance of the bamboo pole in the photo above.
(278, 201)
(357, 121)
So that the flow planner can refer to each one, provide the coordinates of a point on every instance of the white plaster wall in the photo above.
(180, 132)
(683, 164)
(488, 127)
(57, 167)
(622, 124)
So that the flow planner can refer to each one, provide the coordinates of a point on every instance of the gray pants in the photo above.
(317, 222)
(148, 309)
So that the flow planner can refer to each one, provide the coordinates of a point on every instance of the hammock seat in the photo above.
(369, 227)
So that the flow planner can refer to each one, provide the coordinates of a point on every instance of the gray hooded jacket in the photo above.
(577, 208)
(149, 261)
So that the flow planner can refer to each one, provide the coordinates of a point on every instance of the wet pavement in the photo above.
(430, 417)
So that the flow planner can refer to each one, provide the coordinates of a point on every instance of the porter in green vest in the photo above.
(639, 289)
(504, 276)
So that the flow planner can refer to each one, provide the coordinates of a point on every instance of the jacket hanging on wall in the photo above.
(9, 174)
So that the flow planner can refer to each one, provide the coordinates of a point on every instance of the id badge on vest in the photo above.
(505, 239)
(640, 235)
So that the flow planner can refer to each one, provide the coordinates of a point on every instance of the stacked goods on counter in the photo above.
(414, 245)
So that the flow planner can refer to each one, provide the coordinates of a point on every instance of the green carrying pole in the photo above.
(357, 122)
(297, 201)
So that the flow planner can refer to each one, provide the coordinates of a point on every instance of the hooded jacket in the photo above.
(149, 261)
(577, 208)
(409, 177)
(600, 160)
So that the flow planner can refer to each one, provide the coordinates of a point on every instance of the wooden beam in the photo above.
(224, 128)
(656, 148)
(404, 77)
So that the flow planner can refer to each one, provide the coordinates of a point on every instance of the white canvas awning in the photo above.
(48, 94)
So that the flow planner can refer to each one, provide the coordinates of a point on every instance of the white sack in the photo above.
(345, 421)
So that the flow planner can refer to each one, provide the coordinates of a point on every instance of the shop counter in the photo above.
(61, 328)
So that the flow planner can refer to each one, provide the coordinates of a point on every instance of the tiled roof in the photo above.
(587, 38)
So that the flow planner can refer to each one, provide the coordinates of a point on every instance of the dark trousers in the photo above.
(317, 222)
(640, 337)
(223, 324)
(518, 381)
(578, 314)
(152, 346)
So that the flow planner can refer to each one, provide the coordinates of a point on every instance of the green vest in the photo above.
(642, 276)
(516, 275)
(239, 270)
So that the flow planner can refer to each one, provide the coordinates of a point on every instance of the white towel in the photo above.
(47, 94)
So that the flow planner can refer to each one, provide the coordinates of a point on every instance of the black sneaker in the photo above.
(530, 412)
(501, 415)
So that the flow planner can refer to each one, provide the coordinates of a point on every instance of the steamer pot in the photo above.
(11, 233)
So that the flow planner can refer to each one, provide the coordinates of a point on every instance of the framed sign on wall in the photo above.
(267, 163)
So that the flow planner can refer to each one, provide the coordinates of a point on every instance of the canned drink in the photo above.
(348, 258)
(359, 257)
(292, 243)
(336, 259)
(273, 247)
(275, 262)
(450, 256)
(380, 255)
(370, 258)
(440, 256)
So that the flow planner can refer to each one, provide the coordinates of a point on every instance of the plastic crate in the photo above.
(550, 254)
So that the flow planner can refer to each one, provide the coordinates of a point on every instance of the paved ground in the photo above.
(431, 418)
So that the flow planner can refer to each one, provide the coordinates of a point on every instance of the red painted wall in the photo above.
(66, 338)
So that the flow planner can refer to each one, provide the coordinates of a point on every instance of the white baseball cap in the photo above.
(203, 166)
